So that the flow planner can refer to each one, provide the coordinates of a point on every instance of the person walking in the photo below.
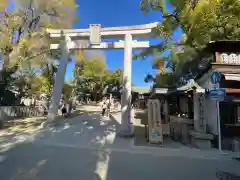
(108, 106)
(68, 107)
(132, 111)
(64, 108)
(104, 107)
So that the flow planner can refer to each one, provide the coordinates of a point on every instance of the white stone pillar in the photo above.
(59, 80)
(126, 122)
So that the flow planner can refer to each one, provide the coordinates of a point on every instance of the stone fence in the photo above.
(12, 112)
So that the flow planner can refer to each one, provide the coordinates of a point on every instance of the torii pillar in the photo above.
(126, 119)
(60, 76)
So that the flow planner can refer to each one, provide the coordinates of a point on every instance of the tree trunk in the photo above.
(48, 101)
(95, 96)
(6, 61)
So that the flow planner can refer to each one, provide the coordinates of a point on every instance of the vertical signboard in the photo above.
(154, 122)
(95, 33)
(202, 120)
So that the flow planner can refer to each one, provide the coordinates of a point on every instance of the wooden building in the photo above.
(140, 96)
(223, 57)
(193, 115)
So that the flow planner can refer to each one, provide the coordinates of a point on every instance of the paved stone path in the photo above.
(86, 147)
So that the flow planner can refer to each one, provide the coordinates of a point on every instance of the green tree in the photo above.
(67, 90)
(90, 76)
(24, 42)
(93, 77)
(113, 80)
(48, 73)
(201, 21)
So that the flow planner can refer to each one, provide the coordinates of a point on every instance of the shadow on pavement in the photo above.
(28, 160)
(89, 130)
(86, 147)
(29, 125)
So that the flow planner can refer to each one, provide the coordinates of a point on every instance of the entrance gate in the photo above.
(68, 40)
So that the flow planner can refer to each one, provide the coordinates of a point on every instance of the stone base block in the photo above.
(201, 140)
(236, 145)
(126, 134)
(1, 124)
(124, 131)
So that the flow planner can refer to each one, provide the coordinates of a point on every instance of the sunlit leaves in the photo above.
(79, 56)
(24, 43)
(67, 90)
(93, 77)
(23, 29)
(150, 51)
(201, 21)
(147, 5)
(59, 12)
(165, 80)
(3, 5)
(159, 62)
(94, 68)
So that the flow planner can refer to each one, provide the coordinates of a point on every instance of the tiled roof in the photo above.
(189, 86)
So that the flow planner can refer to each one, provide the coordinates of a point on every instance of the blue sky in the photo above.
(119, 13)
(110, 13)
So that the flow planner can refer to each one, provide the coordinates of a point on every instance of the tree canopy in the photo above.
(22, 30)
(201, 21)
(24, 45)
(93, 77)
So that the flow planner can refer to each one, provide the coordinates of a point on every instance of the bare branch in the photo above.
(38, 54)
(20, 31)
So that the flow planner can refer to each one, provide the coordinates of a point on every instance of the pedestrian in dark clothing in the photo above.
(64, 109)
(104, 107)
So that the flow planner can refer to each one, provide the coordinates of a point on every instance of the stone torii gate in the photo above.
(68, 40)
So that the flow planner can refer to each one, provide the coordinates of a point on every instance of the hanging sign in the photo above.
(232, 58)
